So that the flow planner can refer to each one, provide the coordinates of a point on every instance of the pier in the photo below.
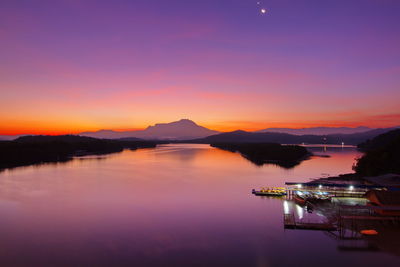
(340, 220)
(346, 208)
(334, 190)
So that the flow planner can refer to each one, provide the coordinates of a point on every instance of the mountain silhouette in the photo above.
(284, 138)
(185, 129)
(317, 130)
(178, 130)
(10, 137)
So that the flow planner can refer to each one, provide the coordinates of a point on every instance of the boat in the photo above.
(300, 198)
(274, 191)
(319, 197)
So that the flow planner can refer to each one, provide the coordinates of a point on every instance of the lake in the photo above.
(178, 204)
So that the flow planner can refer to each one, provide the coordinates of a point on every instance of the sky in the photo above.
(73, 66)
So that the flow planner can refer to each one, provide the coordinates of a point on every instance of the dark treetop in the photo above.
(382, 155)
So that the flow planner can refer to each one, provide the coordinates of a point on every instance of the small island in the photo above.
(286, 156)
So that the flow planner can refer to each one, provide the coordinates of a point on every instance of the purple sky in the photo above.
(69, 66)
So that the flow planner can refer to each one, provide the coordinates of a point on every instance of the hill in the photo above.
(317, 130)
(283, 138)
(9, 137)
(382, 155)
(379, 141)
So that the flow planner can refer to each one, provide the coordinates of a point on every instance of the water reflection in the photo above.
(185, 205)
(37, 165)
(58, 162)
(177, 153)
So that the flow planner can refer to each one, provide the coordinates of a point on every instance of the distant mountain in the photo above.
(10, 137)
(107, 134)
(357, 138)
(179, 130)
(317, 130)
(284, 138)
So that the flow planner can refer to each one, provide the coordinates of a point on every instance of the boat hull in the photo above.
(268, 193)
(299, 200)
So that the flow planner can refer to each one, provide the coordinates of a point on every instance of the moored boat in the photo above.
(300, 198)
(275, 191)
(320, 197)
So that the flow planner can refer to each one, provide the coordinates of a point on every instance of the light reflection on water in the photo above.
(187, 205)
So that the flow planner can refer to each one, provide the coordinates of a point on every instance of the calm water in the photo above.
(188, 205)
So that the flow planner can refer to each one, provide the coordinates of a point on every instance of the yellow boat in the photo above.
(274, 191)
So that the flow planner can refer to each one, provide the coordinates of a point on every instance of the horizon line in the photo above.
(230, 129)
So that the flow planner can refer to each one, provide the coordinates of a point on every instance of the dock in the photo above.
(334, 190)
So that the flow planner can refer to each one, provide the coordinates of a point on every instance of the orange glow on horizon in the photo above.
(52, 131)
(227, 126)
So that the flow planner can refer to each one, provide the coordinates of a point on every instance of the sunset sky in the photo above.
(72, 66)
